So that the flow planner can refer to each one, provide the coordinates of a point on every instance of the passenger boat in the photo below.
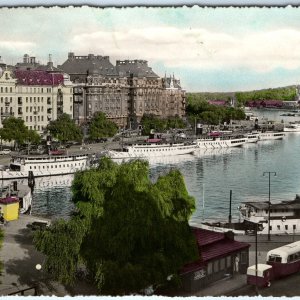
(152, 150)
(284, 216)
(220, 142)
(292, 127)
(271, 135)
(45, 165)
(252, 137)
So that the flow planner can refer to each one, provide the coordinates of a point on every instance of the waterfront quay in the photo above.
(19, 258)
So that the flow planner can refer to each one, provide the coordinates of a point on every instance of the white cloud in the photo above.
(16, 45)
(260, 51)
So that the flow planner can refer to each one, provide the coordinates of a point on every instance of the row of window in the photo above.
(162, 149)
(6, 90)
(285, 227)
(35, 118)
(55, 166)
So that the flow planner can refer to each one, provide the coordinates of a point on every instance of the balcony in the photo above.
(20, 112)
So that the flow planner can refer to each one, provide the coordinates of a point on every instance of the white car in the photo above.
(5, 151)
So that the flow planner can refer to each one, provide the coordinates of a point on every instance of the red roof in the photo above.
(31, 77)
(212, 245)
(217, 102)
(8, 200)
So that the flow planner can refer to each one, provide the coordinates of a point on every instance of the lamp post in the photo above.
(269, 203)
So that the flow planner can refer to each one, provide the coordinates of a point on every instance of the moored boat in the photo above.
(252, 137)
(220, 142)
(45, 165)
(292, 127)
(152, 150)
(271, 135)
(284, 216)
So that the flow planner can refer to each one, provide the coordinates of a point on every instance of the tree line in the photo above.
(201, 110)
(63, 129)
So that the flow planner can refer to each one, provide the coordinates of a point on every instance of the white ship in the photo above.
(284, 216)
(252, 137)
(220, 142)
(152, 150)
(292, 127)
(271, 135)
(40, 166)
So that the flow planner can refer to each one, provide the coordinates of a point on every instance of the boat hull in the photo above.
(152, 152)
(265, 136)
(220, 143)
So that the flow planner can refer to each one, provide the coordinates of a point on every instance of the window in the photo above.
(294, 227)
(222, 264)
(286, 227)
(274, 258)
(228, 261)
(216, 266)
(209, 268)
(244, 257)
(278, 227)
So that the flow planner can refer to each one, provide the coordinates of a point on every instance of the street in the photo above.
(288, 286)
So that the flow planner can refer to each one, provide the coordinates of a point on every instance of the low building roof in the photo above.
(292, 205)
(212, 245)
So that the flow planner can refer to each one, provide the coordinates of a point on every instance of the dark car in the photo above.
(38, 225)
(101, 140)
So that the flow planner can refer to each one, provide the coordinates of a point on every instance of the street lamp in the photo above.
(269, 203)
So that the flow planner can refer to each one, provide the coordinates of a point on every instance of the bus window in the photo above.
(273, 258)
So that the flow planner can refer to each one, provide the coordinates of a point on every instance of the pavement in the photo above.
(19, 259)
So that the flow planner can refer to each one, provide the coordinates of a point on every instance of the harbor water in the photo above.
(210, 176)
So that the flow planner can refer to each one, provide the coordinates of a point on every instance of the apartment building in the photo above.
(124, 92)
(36, 96)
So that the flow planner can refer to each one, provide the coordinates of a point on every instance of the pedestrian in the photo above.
(237, 261)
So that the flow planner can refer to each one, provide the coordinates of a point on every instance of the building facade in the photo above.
(124, 92)
(36, 96)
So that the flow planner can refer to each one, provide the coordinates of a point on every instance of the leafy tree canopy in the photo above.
(212, 114)
(101, 127)
(152, 122)
(14, 129)
(129, 232)
(64, 129)
(33, 137)
(283, 94)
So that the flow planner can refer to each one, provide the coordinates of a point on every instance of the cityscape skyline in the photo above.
(224, 49)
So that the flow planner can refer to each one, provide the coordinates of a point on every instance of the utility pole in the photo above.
(229, 217)
(269, 203)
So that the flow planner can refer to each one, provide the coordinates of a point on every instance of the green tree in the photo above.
(15, 130)
(128, 232)
(152, 122)
(101, 127)
(33, 137)
(64, 129)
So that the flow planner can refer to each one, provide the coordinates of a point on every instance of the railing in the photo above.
(30, 291)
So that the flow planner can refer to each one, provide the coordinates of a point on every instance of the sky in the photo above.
(208, 49)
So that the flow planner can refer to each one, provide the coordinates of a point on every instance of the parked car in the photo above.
(38, 225)
(5, 151)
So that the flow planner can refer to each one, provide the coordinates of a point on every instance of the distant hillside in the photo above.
(283, 93)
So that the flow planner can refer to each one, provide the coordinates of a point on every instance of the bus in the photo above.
(280, 262)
